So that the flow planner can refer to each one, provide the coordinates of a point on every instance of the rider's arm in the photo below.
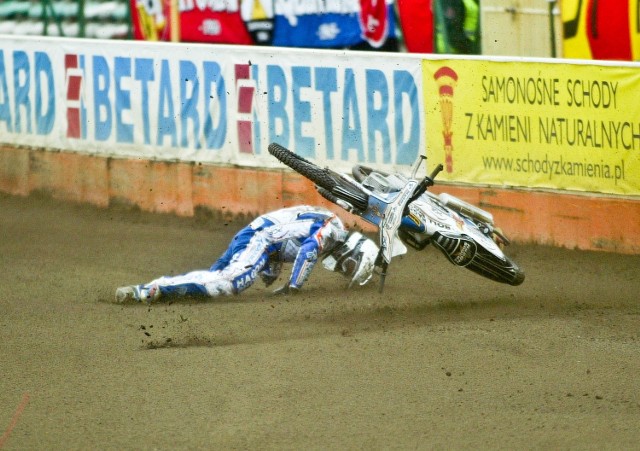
(272, 269)
(321, 235)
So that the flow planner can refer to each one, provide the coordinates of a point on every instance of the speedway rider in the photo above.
(298, 235)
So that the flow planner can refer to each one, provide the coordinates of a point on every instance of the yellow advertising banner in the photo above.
(534, 124)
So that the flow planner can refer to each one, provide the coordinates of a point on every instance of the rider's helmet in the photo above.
(355, 258)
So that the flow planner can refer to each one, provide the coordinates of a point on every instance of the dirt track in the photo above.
(442, 360)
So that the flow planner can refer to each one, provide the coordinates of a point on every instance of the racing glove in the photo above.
(272, 271)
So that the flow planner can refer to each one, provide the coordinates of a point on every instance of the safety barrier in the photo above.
(566, 220)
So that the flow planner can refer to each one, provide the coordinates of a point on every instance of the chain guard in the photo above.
(413, 240)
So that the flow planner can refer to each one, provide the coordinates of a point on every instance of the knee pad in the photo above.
(219, 288)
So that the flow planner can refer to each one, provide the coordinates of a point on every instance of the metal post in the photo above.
(82, 21)
(552, 26)
(44, 17)
(129, 22)
(174, 17)
(47, 7)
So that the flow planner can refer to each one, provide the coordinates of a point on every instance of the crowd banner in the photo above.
(306, 24)
(601, 29)
(173, 20)
(535, 123)
(208, 103)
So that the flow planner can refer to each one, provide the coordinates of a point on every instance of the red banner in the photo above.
(195, 21)
(601, 29)
(374, 21)
(416, 20)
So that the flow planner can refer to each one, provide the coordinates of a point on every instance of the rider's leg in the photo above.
(238, 275)
(244, 267)
(194, 283)
(237, 245)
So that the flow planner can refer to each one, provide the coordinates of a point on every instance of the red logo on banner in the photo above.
(446, 78)
(74, 77)
(245, 90)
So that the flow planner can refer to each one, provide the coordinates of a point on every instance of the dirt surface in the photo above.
(442, 360)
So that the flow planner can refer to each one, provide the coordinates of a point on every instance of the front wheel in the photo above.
(333, 183)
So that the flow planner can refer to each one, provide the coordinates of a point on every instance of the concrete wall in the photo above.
(590, 222)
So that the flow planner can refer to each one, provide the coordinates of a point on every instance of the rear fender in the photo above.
(459, 249)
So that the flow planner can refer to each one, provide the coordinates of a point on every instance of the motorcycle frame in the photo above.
(386, 212)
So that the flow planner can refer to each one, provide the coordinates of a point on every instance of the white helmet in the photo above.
(355, 258)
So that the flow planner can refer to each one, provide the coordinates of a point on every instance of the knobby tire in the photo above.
(324, 178)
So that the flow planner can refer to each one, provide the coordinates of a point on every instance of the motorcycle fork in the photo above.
(383, 275)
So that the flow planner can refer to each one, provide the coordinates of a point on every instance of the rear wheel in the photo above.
(333, 184)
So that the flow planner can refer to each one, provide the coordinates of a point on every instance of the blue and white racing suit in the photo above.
(297, 235)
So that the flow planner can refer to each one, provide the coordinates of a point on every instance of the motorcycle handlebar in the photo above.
(435, 172)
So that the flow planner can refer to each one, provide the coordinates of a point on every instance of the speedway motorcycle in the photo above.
(405, 214)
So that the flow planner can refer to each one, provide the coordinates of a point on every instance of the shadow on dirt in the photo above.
(351, 318)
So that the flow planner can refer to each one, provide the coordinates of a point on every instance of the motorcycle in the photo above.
(405, 214)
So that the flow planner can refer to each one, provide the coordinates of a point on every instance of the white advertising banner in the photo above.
(208, 103)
